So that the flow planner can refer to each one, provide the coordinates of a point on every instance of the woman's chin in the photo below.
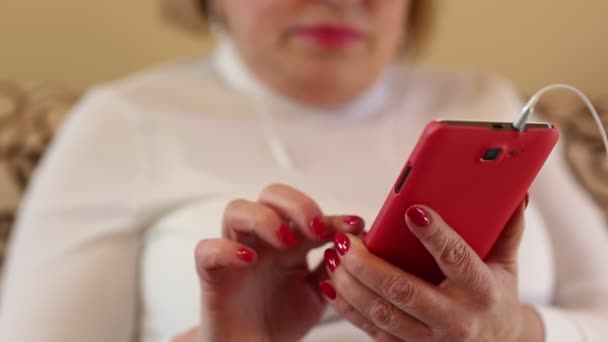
(328, 50)
(326, 92)
(327, 80)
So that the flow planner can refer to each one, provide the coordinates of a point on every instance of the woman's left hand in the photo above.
(478, 301)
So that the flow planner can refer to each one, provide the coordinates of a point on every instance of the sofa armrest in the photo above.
(30, 115)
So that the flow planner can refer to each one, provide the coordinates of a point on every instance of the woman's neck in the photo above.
(238, 76)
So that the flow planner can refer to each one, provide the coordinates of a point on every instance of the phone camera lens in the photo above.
(492, 154)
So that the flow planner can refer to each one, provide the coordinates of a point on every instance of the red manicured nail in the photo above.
(246, 254)
(355, 222)
(342, 243)
(288, 236)
(327, 290)
(332, 260)
(419, 217)
(319, 228)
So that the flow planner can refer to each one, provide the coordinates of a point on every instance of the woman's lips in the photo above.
(331, 36)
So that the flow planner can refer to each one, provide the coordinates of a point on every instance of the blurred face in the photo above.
(314, 51)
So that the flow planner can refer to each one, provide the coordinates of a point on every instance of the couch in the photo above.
(31, 114)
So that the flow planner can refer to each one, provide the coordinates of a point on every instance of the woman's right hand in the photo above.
(255, 281)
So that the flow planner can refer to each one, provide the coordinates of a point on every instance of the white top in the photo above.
(103, 249)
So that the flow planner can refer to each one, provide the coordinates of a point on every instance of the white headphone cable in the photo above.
(520, 122)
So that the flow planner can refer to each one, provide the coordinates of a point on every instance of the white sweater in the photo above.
(103, 248)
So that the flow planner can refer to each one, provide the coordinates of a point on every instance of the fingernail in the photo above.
(287, 236)
(355, 222)
(332, 260)
(319, 228)
(419, 217)
(245, 254)
(327, 290)
(527, 200)
(342, 243)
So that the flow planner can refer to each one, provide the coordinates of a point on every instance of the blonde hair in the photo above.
(193, 16)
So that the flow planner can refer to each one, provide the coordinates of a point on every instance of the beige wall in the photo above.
(80, 43)
(533, 42)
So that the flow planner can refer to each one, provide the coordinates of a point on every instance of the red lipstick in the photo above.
(331, 36)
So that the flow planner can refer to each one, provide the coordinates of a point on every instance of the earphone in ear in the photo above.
(528, 109)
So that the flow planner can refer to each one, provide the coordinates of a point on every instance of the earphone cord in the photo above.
(528, 109)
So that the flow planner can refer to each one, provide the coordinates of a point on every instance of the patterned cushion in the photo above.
(29, 117)
(583, 145)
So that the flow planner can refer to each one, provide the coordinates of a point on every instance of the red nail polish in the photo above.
(342, 243)
(287, 236)
(246, 254)
(354, 221)
(319, 228)
(419, 217)
(327, 290)
(332, 260)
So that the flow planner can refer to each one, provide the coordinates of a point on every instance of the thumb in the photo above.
(504, 252)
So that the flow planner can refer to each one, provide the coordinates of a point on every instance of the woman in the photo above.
(315, 98)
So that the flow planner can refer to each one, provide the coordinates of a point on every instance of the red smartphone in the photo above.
(474, 174)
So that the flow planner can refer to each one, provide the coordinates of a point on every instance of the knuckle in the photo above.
(275, 191)
(263, 216)
(400, 291)
(488, 297)
(372, 330)
(233, 206)
(456, 253)
(272, 188)
(356, 261)
(435, 234)
(237, 213)
(249, 215)
(366, 325)
(303, 207)
(201, 249)
(204, 259)
(348, 311)
(382, 336)
(382, 314)
(460, 329)
(295, 202)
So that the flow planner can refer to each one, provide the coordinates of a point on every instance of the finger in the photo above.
(456, 259)
(318, 275)
(243, 218)
(348, 312)
(344, 224)
(408, 293)
(215, 256)
(373, 307)
(296, 206)
(350, 224)
(504, 252)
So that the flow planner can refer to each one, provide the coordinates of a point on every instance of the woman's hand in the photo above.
(477, 302)
(255, 282)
